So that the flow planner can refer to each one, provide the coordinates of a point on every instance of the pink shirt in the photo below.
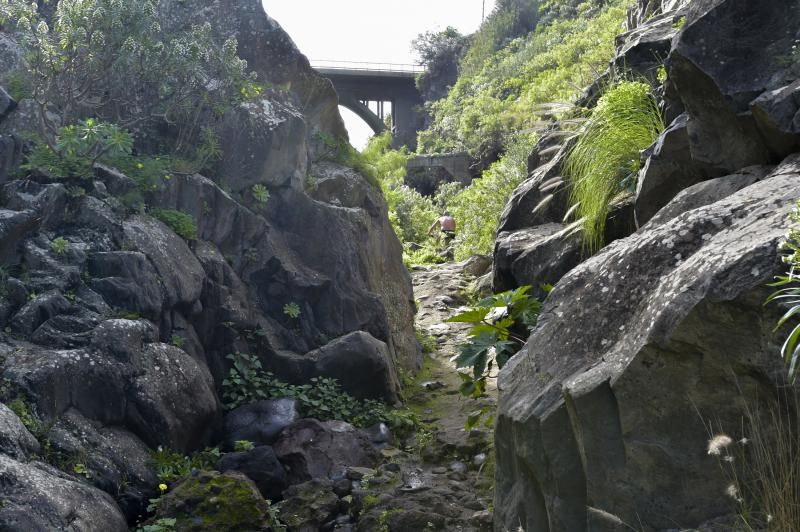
(447, 223)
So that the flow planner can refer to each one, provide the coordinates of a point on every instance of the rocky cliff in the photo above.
(115, 330)
(604, 416)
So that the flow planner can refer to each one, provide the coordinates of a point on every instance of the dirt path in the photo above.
(445, 482)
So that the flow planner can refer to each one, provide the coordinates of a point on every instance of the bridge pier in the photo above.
(357, 84)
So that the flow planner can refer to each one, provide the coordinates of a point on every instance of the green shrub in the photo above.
(180, 222)
(26, 413)
(322, 398)
(605, 160)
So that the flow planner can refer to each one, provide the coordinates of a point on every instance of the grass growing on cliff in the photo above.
(477, 208)
(626, 120)
(502, 95)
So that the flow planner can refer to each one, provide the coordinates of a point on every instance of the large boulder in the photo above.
(604, 409)
(161, 394)
(260, 422)
(311, 449)
(39, 497)
(358, 361)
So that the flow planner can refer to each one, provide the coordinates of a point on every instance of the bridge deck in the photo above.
(364, 69)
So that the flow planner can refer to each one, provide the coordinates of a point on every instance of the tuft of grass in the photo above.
(605, 161)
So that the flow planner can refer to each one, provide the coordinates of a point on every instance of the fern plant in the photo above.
(604, 163)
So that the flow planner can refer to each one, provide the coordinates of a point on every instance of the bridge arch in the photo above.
(363, 112)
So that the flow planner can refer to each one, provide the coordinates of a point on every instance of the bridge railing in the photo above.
(363, 65)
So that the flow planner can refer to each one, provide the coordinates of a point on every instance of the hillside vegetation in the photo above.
(526, 55)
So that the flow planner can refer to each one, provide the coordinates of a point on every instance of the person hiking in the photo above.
(447, 225)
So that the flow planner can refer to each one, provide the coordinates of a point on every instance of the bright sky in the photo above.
(369, 30)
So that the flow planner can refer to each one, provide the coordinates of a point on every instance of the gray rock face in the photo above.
(717, 88)
(260, 422)
(115, 460)
(604, 408)
(37, 497)
(668, 170)
(310, 449)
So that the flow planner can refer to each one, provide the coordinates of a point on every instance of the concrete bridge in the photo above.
(364, 85)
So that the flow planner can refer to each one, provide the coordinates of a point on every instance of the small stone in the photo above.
(458, 467)
(432, 385)
(358, 473)
(439, 470)
(479, 459)
(392, 466)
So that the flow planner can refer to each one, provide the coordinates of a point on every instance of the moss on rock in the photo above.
(215, 501)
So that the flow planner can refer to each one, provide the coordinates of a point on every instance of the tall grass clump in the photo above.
(762, 465)
(626, 120)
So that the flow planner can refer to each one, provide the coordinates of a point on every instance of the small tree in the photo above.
(110, 60)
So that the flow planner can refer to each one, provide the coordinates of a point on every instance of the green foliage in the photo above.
(478, 207)
(789, 296)
(243, 446)
(180, 222)
(246, 381)
(274, 518)
(605, 160)
(177, 341)
(78, 147)
(322, 398)
(427, 341)
(410, 213)
(160, 525)
(510, 19)
(340, 151)
(26, 413)
(260, 194)
(500, 326)
(171, 466)
(59, 246)
(505, 92)
(661, 74)
(112, 60)
(292, 310)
